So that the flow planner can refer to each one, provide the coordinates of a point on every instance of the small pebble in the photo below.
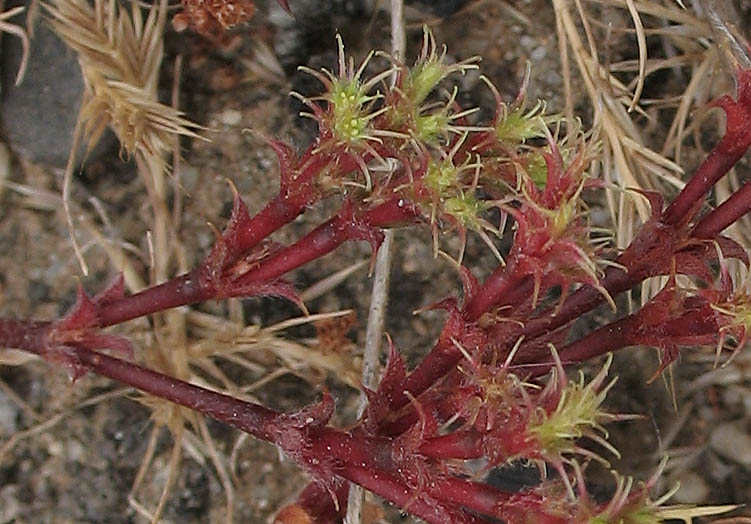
(693, 490)
(10, 507)
(55, 448)
(75, 451)
(231, 117)
(538, 53)
(732, 443)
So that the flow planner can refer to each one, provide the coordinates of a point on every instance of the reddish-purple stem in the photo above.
(715, 166)
(21, 334)
(608, 338)
(248, 417)
(727, 213)
(179, 291)
(327, 237)
(442, 358)
(723, 156)
(457, 445)
(354, 458)
(615, 281)
(495, 286)
(192, 287)
(406, 497)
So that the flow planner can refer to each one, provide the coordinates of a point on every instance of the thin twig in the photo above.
(379, 294)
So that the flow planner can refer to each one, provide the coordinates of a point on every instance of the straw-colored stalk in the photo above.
(120, 55)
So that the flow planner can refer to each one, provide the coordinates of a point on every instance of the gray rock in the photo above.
(10, 506)
(38, 116)
(732, 442)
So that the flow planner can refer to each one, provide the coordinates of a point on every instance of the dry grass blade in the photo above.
(120, 55)
(613, 119)
(658, 10)
(215, 337)
(4, 166)
(20, 33)
(642, 42)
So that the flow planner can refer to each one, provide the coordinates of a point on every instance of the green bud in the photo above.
(441, 177)
(578, 413)
(465, 209)
(537, 169)
(350, 120)
(429, 127)
(430, 69)
(516, 127)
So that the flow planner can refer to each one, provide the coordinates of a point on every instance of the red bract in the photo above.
(552, 238)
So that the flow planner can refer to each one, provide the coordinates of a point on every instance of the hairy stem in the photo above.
(500, 281)
(194, 287)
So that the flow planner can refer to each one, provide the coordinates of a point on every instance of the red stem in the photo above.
(354, 458)
(293, 198)
(457, 445)
(608, 338)
(615, 281)
(499, 289)
(327, 237)
(717, 164)
(179, 291)
(722, 158)
(495, 286)
(409, 499)
(21, 334)
(193, 287)
(322, 240)
(246, 416)
(725, 214)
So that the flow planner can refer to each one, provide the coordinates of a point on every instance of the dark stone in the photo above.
(38, 117)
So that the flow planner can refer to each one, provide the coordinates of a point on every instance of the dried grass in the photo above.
(120, 55)
(20, 33)
(628, 163)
